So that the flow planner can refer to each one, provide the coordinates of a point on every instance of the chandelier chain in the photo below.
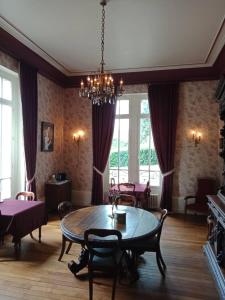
(102, 38)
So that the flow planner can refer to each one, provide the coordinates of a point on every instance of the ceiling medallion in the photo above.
(100, 87)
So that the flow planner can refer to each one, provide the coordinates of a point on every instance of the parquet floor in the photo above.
(39, 275)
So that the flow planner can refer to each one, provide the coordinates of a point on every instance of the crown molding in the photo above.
(21, 52)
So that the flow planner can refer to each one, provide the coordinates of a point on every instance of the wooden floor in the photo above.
(39, 275)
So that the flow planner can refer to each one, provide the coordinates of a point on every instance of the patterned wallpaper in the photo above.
(198, 110)
(50, 109)
(78, 158)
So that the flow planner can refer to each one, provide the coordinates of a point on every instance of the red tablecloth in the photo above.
(25, 216)
(138, 192)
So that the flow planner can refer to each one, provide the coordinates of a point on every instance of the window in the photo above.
(11, 142)
(132, 156)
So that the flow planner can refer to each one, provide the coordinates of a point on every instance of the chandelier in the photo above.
(100, 87)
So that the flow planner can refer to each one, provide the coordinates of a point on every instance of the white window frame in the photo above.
(17, 147)
(134, 117)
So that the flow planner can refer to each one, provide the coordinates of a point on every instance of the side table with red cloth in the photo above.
(25, 216)
(139, 191)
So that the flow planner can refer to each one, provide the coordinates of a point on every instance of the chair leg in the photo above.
(68, 248)
(114, 285)
(63, 248)
(39, 234)
(159, 264)
(31, 235)
(161, 259)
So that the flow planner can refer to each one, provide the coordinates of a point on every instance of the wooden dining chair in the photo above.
(151, 244)
(64, 208)
(29, 196)
(101, 258)
(127, 200)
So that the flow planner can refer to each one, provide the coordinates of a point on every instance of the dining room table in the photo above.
(22, 217)
(139, 224)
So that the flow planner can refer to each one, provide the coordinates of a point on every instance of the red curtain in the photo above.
(103, 118)
(28, 87)
(163, 103)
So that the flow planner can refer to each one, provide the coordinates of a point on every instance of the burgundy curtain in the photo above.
(103, 118)
(28, 87)
(163, 103)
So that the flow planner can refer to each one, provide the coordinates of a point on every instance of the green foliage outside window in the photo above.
(122, 159)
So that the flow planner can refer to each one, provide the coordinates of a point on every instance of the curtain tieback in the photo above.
(29, 182)
(97, 170)
(168, 173)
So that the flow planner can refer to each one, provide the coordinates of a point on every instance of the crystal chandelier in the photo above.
(100, 87)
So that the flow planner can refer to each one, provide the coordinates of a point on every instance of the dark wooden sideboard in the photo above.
(57, 192)
(215, 246)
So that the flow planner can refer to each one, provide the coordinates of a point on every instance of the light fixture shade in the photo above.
(100, 88)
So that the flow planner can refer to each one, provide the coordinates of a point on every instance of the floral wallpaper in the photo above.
(8, 62)
(78, 156)
(50, 109)
(198, 110)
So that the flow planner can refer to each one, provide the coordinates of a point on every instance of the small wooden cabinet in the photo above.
(57, 192)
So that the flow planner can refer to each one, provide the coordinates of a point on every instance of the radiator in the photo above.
(153, 201)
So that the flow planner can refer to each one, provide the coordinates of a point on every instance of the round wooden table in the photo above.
(139, 223)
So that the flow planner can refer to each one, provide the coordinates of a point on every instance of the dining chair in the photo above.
(147, 192)
(25, 195)
(205, 186)
(29, 196)
(64, 208)
(127, 200)
(102, 258)
(151, 244)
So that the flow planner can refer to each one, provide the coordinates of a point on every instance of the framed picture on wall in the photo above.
(47, 136)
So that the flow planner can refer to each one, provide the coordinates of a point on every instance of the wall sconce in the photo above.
(196, 137)
(78, 135)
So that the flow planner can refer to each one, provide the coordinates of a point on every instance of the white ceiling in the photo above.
(140, 34)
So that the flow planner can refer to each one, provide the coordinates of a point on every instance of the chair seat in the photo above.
(105, 262)
(145, 244)
(199, 207)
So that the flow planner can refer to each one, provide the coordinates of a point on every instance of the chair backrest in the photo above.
(112, 182)
(205, 186)
(129, 187)
(94, 247)
(26, 196)
(125, 199)
(147, 190)
(64, 208)
(163, 216)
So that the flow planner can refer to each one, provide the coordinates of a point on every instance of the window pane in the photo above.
(123, 176)
(154, 178)
(122, 107)
(144, 107)
(143, 176)
(123, 146)
(6, 134)
(144, 151)
(6, 89)
(114, 158)
(113, 173)
(5, 188)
